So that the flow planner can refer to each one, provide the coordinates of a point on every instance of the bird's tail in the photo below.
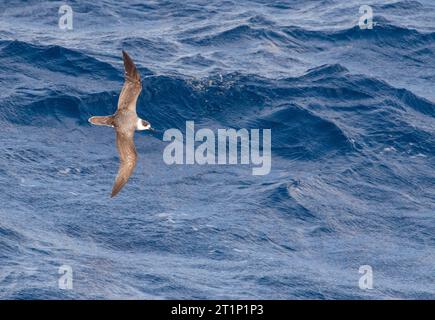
(102, 121)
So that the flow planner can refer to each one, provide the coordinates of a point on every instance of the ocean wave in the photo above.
(57, 59)
(234, 100)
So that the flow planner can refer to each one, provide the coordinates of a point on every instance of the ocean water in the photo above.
(353, 143)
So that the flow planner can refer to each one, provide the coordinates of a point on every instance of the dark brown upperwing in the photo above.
(132, 85)
(128, 157)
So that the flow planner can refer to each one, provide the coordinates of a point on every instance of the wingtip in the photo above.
(131, 71)
(125, 54)
(114, 193)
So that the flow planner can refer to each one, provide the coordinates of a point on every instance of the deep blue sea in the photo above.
(353, 150)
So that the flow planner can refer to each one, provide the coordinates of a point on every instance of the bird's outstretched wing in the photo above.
(128, 157)
(132, 85)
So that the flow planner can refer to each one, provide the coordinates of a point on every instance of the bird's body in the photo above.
(125, 122)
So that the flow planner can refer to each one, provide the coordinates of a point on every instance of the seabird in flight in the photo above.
(125, 122)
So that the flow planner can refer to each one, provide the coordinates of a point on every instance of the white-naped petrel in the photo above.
(125, 121)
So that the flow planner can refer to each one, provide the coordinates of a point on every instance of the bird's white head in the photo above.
(142, 125)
